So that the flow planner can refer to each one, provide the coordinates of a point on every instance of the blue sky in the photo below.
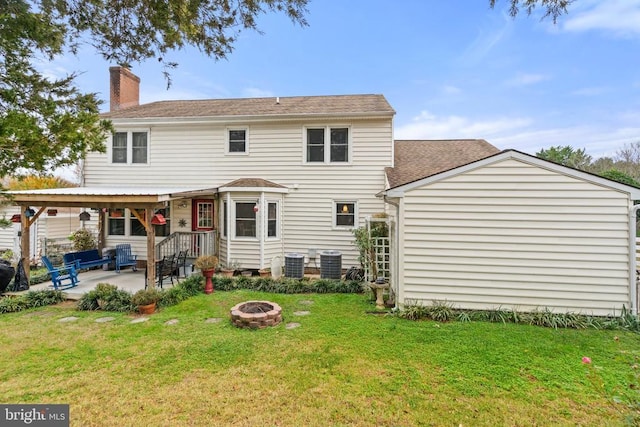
(451, 69)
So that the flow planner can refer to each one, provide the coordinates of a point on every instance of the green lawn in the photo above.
(342, 366)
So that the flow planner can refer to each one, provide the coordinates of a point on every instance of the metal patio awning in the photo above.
(136, 199)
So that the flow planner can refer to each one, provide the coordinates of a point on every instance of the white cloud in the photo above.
(598, 140)
(620, 17)
(429, 126)
(524, 134)
(486, 40)
(590, 91)
(525, 79)
(451, 90)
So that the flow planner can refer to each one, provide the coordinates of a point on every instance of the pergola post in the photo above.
(25, 237)
(25, 242)
(151, 242)
(151, 249)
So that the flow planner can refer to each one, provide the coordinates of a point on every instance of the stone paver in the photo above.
(140, 320)
(105, 319)
(171, 322)
(302, 313)
(68, 319)
(306, 302)
(292, 325)
(213, 320)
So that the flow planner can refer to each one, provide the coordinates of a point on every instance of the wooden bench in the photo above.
(85, 259)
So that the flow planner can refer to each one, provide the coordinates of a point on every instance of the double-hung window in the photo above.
(116, 222)
(327, 144)
(272, 219)
(245, 219)
(237, 140)
(161, 230)
(344, 214)
(130, 147)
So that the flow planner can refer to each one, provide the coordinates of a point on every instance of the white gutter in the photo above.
(633, 286)
(229, 240)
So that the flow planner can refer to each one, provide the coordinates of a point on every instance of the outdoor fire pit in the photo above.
(256, 314)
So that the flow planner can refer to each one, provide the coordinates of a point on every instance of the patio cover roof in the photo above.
(105, 197)
(134, 198)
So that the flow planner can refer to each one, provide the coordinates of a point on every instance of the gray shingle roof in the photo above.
(252, 182)
(417, 159)
(287, 106)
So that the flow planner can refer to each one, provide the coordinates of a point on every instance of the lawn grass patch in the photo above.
(342, 366)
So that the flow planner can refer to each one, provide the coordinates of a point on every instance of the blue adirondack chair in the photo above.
(61, 275)
(124, 257)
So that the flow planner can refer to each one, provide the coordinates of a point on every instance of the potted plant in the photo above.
(265, 272)
(207, 264)
(146, 299)
(230, 268)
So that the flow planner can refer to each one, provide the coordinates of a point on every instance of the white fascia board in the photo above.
(122, 122)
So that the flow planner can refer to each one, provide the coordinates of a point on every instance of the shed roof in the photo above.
(269, 107)
(417, 159)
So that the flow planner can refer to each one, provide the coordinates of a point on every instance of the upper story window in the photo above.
(130, 147)
(327, 145)
(237, 141)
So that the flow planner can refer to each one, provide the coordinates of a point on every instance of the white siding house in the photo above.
(512, 230)
(269, 176)
(58, 228)
(324, 159)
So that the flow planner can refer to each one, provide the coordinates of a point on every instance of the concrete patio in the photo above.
(128, 280)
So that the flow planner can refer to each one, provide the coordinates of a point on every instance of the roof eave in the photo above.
(282, 190)
(245, 118)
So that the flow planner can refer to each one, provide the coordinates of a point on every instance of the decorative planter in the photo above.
(226, 272)
(208, 274)
(147, 309)
(264, 272)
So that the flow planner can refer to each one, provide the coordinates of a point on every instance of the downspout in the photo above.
(633, 286)
(261, 232)
(228, 230)
(396, 244)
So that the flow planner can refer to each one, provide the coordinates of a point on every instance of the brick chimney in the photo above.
(124, 89)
